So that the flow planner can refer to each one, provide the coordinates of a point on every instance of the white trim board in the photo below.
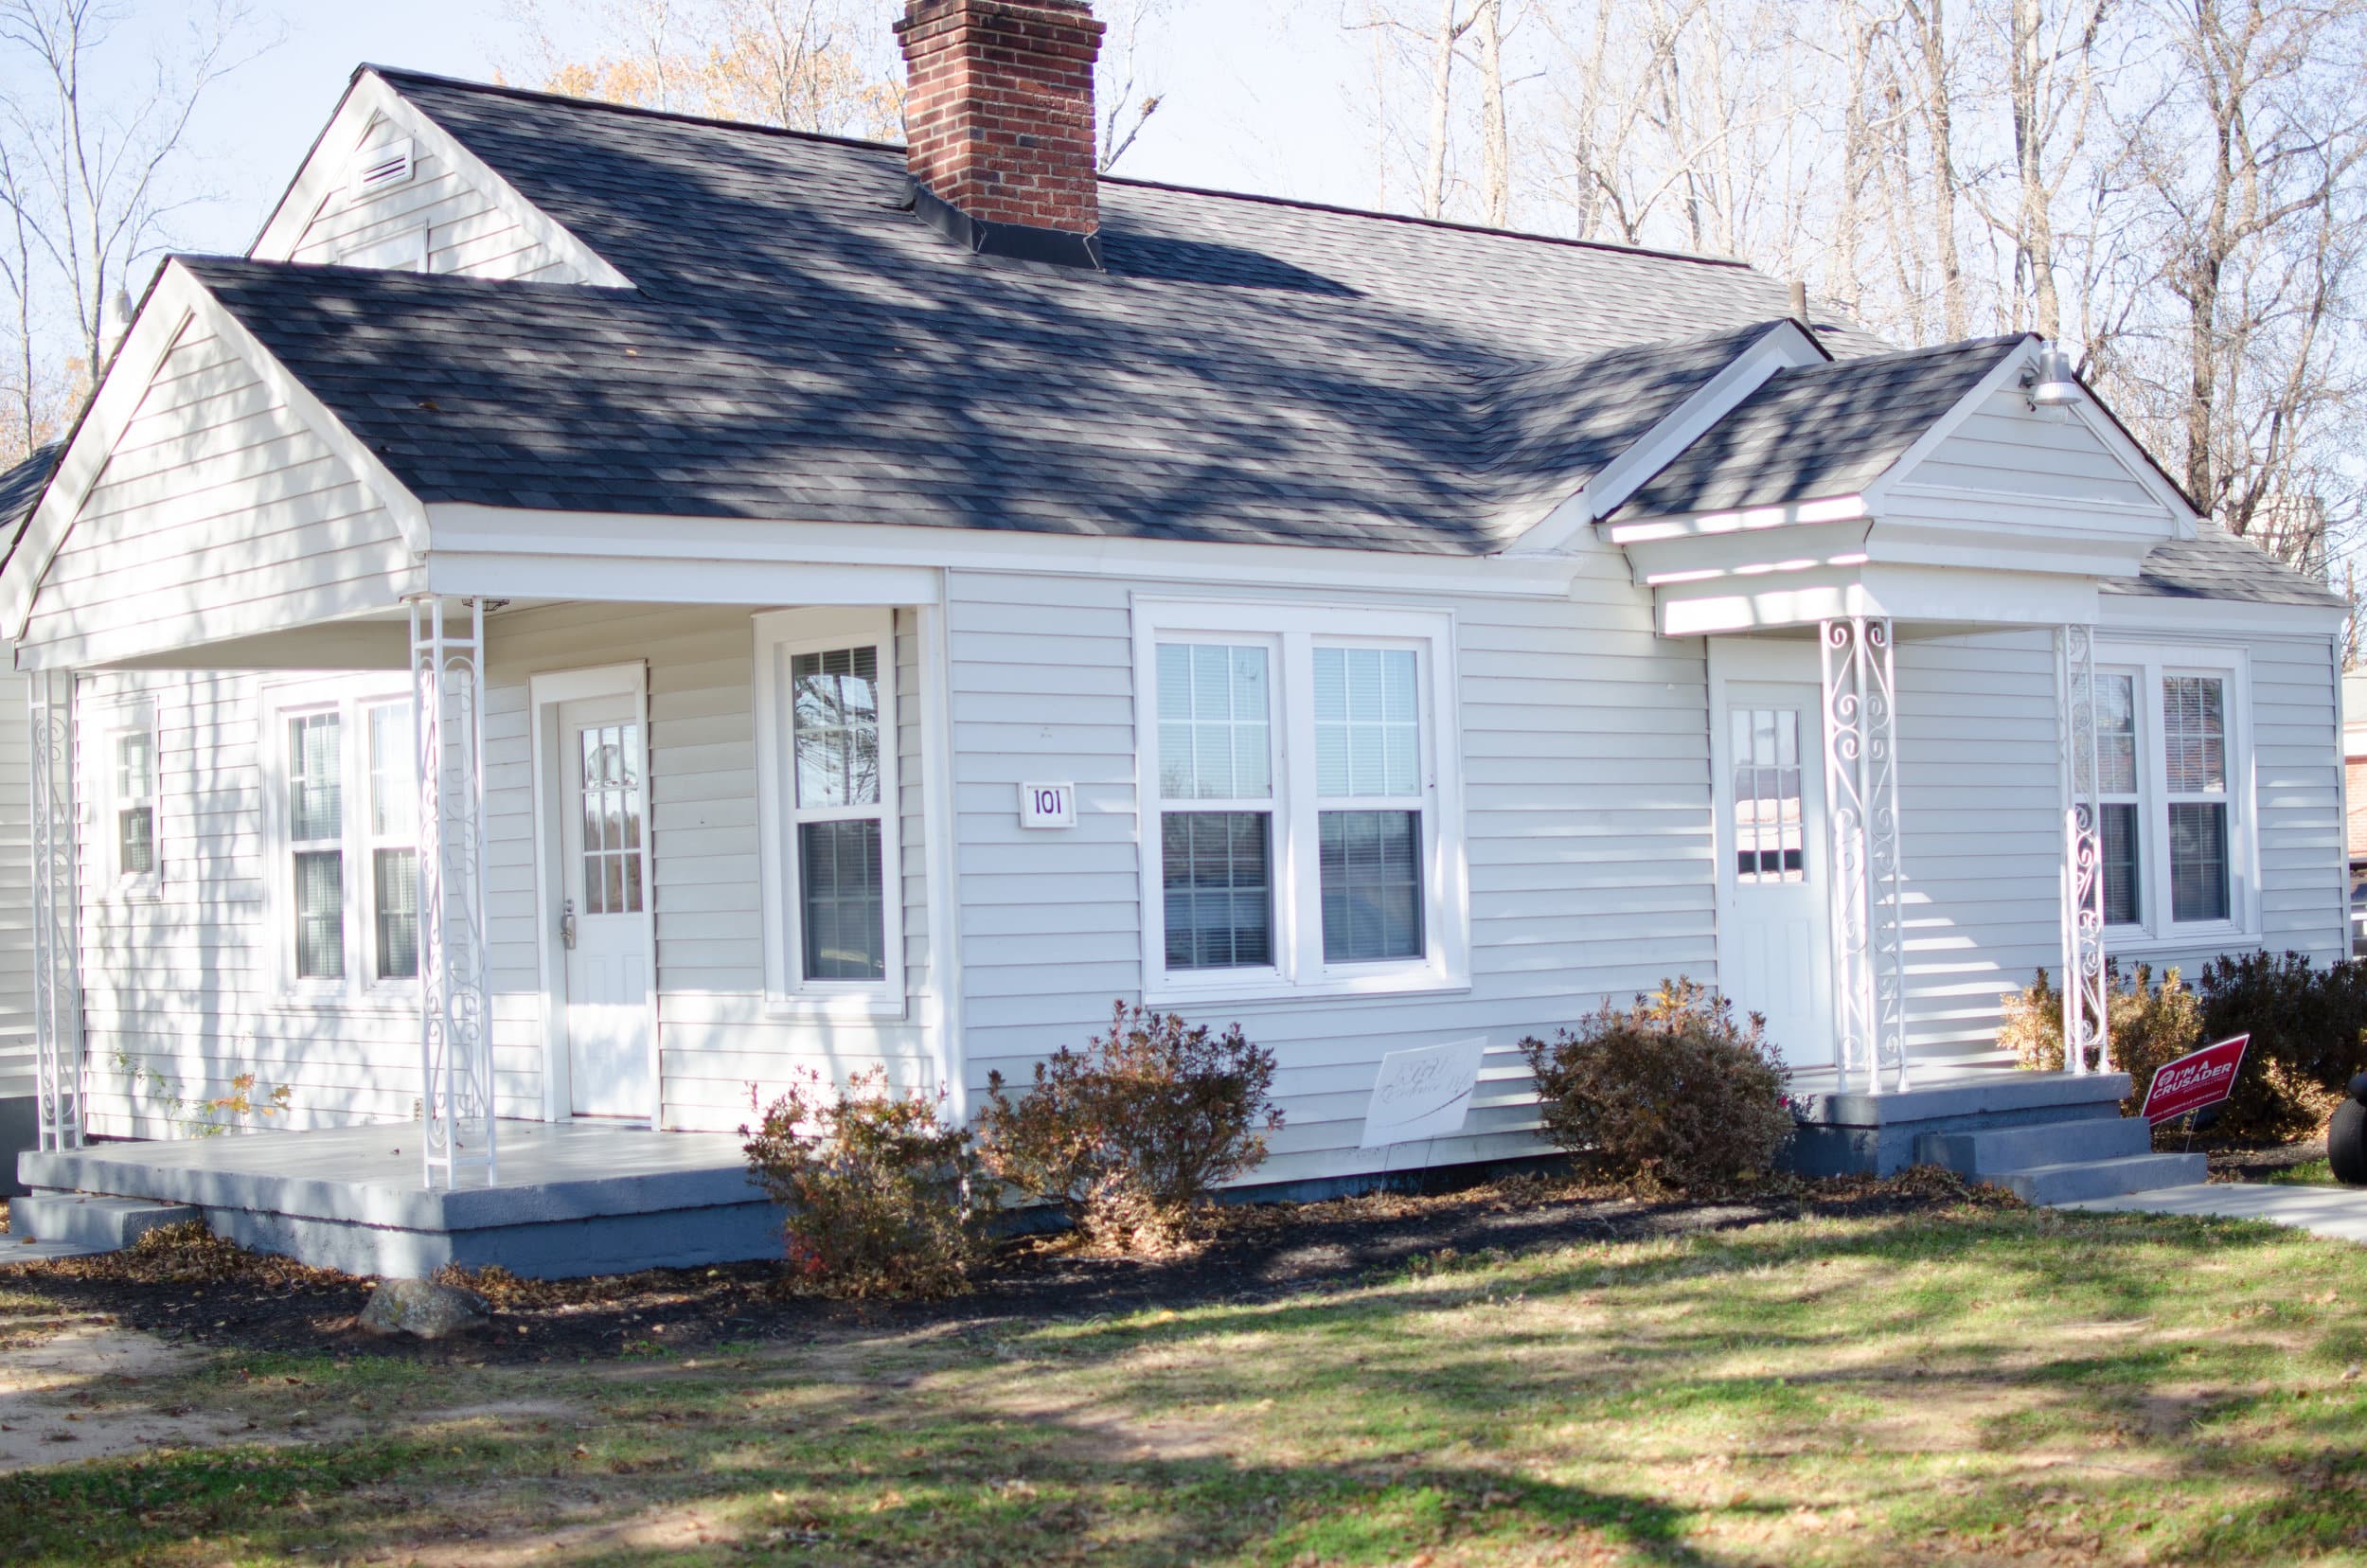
(1784, 346)
(496, 550)
(544, 693)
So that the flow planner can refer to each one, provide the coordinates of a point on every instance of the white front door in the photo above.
(1774, 894)
(600, 794)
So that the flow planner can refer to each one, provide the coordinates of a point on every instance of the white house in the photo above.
(775, 601)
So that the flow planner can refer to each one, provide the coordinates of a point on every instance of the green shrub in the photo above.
(882, 1198)
(1133, 1134)
(1671, 1091)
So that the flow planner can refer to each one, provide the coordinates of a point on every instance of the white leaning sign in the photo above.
(1047, 805)
(1423, 1092)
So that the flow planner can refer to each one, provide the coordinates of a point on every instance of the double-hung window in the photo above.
(342, 814)
(827, 741)
(1300, 831)
(2171, 766)
(126, 769)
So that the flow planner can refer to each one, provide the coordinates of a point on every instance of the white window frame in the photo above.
(1300, 969)
(351, 701)
(113, 721)
(780, 635)
(2151, 663)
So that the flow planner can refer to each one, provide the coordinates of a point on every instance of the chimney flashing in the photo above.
(1011, 241)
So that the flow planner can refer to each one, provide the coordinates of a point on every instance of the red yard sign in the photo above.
(2194, 1081)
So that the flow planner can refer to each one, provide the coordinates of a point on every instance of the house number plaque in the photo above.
(1047, 805)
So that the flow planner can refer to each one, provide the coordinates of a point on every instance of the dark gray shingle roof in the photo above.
(2217, 564)
(1818, 431)
(19, 492)
(797, 345)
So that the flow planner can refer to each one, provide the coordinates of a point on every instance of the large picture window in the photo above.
(1298, 786)
(827, 733)
(344, 842)
(2170, 757)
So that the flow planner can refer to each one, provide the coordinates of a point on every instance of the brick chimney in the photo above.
(999, 114)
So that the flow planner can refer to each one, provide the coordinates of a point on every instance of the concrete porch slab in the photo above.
(573, 1199)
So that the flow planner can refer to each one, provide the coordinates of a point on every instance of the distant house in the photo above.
(694, 601)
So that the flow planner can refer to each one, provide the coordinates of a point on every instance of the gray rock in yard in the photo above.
(422, 1308)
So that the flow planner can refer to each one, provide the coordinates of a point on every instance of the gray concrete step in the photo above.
(2078, 1181)
(24, 1249)
(1983, 1153)
(85, 1220)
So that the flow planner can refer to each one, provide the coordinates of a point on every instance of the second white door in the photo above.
(602, 802)
(1774, 894)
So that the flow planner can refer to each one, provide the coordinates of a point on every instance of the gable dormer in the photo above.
(386, 187)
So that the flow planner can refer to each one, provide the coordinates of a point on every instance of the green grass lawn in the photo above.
(2308, 1173)
(1991, 1386)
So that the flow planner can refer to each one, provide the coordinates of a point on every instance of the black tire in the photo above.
(2346, 1143)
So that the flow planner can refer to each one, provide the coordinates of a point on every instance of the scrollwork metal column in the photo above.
(2085, 982)
(455, 1025)
(57, 978)
(1860, 686)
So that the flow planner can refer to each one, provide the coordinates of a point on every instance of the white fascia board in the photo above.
(1653, 530)
(175, 301)
(1935, 596)
(1782, 346)
(332, 645)
(2204, 617)
(2088, 413)
(1700, 559)
(611, 555)
(323, 174)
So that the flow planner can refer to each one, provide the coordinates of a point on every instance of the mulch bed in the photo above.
(188, 1286)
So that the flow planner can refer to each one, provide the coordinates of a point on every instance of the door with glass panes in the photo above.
(602, 800)
(1774, 901)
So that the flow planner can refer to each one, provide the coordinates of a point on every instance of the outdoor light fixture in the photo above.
(2050, 382)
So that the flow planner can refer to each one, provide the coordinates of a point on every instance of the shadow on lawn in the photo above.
(903, 1446)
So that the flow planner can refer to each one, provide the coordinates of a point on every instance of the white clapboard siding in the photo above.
(716, 1039)
(1980, 804)
(1586, 775)
(16, 893)
(2005, 455)
(179, 1000)
(217, 513)
(470, 230)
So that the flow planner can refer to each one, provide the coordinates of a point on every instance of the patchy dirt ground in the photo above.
(2256, 1164)
(188, 1288)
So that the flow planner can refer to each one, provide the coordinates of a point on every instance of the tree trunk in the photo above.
(2027, 69)
(1496, 132)
(1939, 124)
(1441, 101)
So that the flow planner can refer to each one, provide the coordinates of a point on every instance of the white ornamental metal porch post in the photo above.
(1868, 893)
(57, 984)
(455, 1032)
(2082, 894)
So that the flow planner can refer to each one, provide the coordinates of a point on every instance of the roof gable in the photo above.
(445, 211)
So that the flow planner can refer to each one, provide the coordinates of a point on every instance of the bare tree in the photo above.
(827, 65)
(1495, 126)
(93, 166)
(1123, 114)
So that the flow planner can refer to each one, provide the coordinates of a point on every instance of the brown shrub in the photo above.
(1669, 1092)
(882, 1198)
(1135, 1133)
(2274, 1100)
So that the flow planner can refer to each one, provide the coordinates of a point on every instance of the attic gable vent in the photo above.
(378, 168)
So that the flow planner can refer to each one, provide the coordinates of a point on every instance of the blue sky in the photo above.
(1259, 96)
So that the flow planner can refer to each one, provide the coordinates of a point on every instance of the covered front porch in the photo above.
(570, 1199)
